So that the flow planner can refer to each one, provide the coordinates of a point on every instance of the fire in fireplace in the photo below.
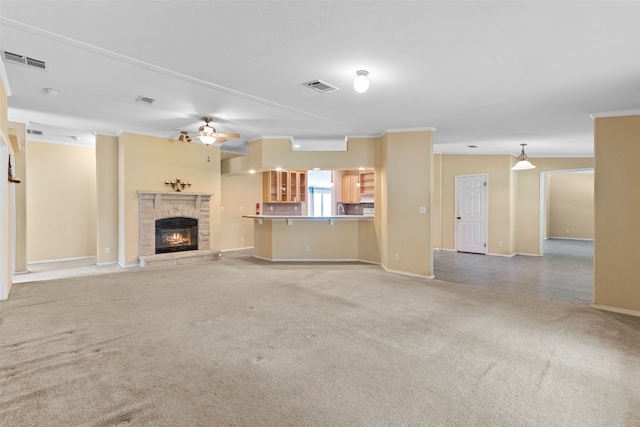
(176, 234)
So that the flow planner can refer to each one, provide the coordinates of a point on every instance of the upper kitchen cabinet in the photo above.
(367, 181)
(350, 189)
(284, 186)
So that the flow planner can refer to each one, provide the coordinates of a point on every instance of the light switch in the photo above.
(422, 209)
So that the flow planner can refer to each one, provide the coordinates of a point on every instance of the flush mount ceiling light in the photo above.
(361, 83)
(523, 163)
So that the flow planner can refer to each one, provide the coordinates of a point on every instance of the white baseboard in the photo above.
(107, 263)
(569, 238)
(616, 310)
(44, 261)
(504, 255)
(405, 273)
(18, 273)
(526, 254)
(128, 265)
(444, 249)
(236, 249)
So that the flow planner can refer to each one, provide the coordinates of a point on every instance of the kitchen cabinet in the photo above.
(350, 189)
(284, 186)
(367, 181)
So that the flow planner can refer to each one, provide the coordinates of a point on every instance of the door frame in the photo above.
(486, 210)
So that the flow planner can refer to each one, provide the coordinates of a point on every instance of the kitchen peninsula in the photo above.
(312, 238)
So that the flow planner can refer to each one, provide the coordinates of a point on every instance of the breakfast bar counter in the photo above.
(308, 238)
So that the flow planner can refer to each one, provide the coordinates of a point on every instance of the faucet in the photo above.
(341, 206)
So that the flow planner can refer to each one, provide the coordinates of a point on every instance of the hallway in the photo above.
(564, 273)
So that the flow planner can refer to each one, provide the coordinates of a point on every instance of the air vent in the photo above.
(145, 100)
(34, 132)
(320, 86)
(14, 58)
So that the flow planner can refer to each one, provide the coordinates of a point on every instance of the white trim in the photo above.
(128, 265)
(19, 273)
(444, 249)
(616, 310)
(570, 238)
(526, 254)
(313, 259)
(418, 129)
(404, 273)
(236, 249)
(618, 113)
(503, 255)
(107, 263)
(5, 79)
(59, 260)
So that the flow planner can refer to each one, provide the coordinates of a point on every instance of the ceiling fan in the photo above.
(207, 134)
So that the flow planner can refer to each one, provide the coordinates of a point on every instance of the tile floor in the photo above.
(564, 273)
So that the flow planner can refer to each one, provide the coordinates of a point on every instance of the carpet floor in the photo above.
(243, 342)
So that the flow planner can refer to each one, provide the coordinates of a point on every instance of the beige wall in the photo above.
(240, 193)
(571, 205)
(499, 192)
(271, 153)
(527, 227)
(145, 163)
(617, 207)
(20, 159)
(6, 209)
(405, 170)
(107, 198)
(61, 197)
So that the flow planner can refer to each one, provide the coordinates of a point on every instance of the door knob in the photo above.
(458, 218)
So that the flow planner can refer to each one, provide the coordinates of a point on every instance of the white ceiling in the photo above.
(493, 74)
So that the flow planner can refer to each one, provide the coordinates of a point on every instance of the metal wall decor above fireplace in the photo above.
(176, 234)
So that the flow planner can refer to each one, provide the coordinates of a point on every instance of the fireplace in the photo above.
(176, 234)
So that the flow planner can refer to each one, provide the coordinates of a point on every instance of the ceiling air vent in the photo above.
(34, 132)
(14, 58)
(320, 86)
(145, 100)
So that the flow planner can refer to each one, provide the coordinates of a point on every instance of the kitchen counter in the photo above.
(312, 238)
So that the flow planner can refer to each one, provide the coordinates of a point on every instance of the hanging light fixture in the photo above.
(361, 83)
(523, 163)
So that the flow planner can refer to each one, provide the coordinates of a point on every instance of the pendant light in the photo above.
(361, 83)
(523, 163)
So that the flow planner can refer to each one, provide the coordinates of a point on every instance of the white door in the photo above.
(471, 213)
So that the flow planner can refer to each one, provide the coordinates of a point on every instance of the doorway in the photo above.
(471, 213)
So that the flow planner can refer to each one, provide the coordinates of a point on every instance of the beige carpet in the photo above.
(241, 342)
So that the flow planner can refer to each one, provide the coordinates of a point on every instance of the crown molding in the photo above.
(618, 113)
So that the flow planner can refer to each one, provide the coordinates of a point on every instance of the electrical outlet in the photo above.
(422, 209)
(499, 244)
(241, 208)
(566, 230)
(308, 248)
(221, 208)
(270, 208)
(107, 250)
(242, 238)
(397, 257)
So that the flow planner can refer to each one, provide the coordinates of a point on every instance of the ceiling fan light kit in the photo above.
(522, 163)
(207, 134)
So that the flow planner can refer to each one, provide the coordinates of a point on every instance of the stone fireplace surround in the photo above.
(161, 205)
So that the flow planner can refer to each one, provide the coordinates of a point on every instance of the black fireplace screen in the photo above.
(176, 234)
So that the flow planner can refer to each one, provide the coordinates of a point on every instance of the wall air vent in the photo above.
(320, 86)
(14, 58)
(145, 100)
(34, 132)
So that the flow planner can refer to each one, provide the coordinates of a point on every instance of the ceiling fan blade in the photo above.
(219, 139)
(229, 135)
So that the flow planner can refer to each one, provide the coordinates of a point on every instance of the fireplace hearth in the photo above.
(176, 234)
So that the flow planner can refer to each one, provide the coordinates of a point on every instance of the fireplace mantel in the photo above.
(156, 205)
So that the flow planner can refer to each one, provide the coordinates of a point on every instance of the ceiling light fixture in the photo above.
(51, 91)
(523, 163)
(361, 83)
